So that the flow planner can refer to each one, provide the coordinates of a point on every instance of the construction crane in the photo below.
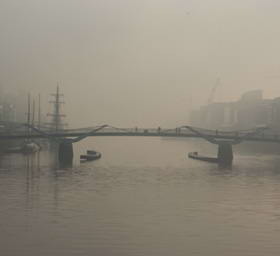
(213, 91)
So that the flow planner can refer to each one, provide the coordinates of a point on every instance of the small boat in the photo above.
(194, 155)
(25, 148)
(91, 152)
(90, 156)
(30, 147)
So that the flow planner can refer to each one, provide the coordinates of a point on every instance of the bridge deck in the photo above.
(175, 133)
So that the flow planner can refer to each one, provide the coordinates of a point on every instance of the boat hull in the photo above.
(90, 157)
(194, 155)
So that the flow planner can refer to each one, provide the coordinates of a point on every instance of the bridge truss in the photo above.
(180, 132)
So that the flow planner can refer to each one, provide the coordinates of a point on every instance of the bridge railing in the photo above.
(179, 131)
(184, 131)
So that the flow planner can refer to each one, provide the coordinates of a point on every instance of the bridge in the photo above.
(179, 132)
(66, 138)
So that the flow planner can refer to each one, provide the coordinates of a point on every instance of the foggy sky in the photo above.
(139, 62)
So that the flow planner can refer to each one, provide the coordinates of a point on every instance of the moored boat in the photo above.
(30, 147)
(195, 155)
(25, 148)
(90, 156)
(91, 152)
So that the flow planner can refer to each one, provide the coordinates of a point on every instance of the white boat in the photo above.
(90, 156)
(30, 147)
(25, 148)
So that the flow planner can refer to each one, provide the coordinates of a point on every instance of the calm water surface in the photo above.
(144, 197)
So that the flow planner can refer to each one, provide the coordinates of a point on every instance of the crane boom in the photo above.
(213, 91)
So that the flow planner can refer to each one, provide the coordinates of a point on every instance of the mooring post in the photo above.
(65, 151)
(225, 153)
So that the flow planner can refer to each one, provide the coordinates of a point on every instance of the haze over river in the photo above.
(143, 197)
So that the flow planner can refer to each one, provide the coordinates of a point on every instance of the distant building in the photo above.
(252, 96)
(250, 111)
(275, 114)
(11, 108)
(7, 112)
(1, 112)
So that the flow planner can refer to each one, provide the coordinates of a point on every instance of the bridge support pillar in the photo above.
(225, 153)
(65, 152)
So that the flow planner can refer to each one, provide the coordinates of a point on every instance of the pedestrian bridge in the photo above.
(260, 135)
(223, 139)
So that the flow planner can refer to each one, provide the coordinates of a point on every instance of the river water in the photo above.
(143, 197)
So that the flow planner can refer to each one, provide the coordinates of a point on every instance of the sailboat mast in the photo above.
(57, 122)
(33, 112)
(28, 114)
(39, 112)
(28, 109)
(57, 108)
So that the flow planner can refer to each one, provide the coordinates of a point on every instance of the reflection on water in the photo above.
(144, 197)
